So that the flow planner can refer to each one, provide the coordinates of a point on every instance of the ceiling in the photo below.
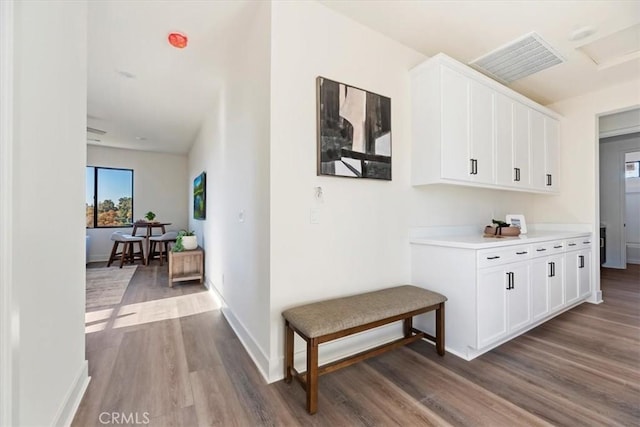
(161, 107)
(144, 93)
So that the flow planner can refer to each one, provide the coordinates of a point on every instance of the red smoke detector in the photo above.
(178, 40)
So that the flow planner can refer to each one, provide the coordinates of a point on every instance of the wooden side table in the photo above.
(186, 265)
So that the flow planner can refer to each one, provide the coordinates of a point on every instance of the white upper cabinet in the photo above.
(504, 141)
(481, 133)
(521, 146)
(455, 125)
(552, 154)
(471, 130)
(544, 136)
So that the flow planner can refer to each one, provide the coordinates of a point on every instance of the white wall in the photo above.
(159, 185)
(578, 201)
(361, 242)
(622, 123)
(49, 164)
(612, 192)
(233, 149)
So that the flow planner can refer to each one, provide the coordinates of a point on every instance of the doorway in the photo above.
(619, 137)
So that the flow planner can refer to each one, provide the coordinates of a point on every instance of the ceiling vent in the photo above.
(522, 57)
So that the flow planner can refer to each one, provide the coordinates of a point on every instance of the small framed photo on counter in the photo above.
(517, 221)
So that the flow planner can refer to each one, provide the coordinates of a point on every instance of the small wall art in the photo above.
(517, 221)
(354, 131)
(199, 196)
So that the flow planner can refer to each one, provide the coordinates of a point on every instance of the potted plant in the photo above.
(150, 216)
(186, 241)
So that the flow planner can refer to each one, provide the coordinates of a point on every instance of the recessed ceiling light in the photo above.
(141, 138)
(581, 33)
(126, 74)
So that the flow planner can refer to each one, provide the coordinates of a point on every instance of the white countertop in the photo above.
(476, 241)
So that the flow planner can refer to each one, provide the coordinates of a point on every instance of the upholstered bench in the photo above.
(328, 320)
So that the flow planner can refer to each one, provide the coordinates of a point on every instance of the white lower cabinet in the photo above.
(547, 285)
(578, 270)
(498, 293)
(503, 301)
(555, 282)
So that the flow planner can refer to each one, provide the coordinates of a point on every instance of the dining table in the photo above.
(149, 226)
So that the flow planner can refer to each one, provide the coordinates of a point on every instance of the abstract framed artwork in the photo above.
(354, 131)
(199, 196)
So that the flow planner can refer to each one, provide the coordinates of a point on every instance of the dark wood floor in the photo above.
(182, 364)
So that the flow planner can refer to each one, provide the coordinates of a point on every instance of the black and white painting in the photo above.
(354, 131)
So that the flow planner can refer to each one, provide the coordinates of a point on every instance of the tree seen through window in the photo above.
(111, 190)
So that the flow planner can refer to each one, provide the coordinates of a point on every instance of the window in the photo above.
(632, 170)
(111, 190)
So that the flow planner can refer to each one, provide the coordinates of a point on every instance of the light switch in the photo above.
(314, 216)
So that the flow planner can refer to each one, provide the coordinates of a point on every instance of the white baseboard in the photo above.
(596, 297)
(72, 400)
(254, 350)
(99, 258)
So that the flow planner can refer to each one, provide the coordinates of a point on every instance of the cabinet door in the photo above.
(571, 277)
(504, 140)
(492, 305)
(518, 297)
(481, 133)
(555, 282)
(538, 152)
(520, 171)
(540, 275)
(456, 161)
(551, 129)
(584, 273)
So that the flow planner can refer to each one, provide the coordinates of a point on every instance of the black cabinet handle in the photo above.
(493, 257)
(557, 247)
(509, 280)
(572, 244)
(581, 258)
(587, 242)
(517, 172)
(474, 167)
(552, 269)
(522, 253)
(549, 179)
(540, 250)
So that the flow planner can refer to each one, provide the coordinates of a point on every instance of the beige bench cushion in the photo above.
(326, 317)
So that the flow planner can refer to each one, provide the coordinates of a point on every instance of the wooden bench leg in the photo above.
(312, 375)
(407, 325)
(288, 351)
(440, 329)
